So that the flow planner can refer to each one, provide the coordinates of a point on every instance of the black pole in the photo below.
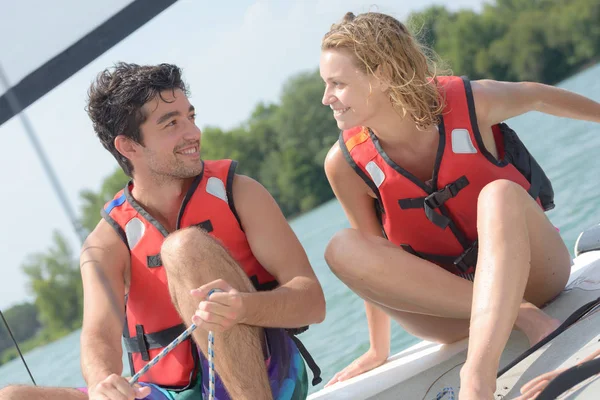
(85, 50)
(58, 189)
(62, 197)
(17, 346)
(65, 65)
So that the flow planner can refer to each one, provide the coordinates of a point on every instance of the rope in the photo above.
(440, 377)
(211, 356)
(184, 335)
(446, 391)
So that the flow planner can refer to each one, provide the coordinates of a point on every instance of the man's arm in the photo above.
(104, 258)
(299, 300)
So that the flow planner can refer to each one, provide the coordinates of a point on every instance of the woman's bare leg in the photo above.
(430, 303)
(518, 247)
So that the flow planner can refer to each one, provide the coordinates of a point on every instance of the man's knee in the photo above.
(185, 241)
(188, 245)
(14, 392)
(191, 254)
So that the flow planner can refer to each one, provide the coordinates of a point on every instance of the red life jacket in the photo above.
(152, 321)
(437, 220)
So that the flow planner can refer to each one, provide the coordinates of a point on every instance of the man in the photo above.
(180, 228)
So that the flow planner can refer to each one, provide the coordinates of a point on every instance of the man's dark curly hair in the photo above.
(116, 98)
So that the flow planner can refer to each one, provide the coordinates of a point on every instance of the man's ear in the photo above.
(127, 147)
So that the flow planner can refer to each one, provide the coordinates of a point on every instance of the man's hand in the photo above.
(115, 387)
(221, 310)
(534, 387)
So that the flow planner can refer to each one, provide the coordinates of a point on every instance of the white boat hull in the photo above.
(423, 370)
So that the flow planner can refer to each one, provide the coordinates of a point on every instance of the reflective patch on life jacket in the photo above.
(134, 230)
(461, 142)
(377, 174)
(216, 187)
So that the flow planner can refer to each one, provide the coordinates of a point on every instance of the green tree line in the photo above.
(283, 145)
(514, 40)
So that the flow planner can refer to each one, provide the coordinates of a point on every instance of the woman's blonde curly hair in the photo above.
(381, 41)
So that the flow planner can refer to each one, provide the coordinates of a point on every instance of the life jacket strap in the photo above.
(464, 263)
(436, 200)
(468, 258)
(309, 360)
(154, 261)
(143, 342)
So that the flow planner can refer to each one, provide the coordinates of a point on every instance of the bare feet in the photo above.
(476, 381)
(475, 386)
(534, 323)
(471, 393)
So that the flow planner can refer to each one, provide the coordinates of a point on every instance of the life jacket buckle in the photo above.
(432, 201)
(438, 198)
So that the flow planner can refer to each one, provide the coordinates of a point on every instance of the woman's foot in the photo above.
(475, 385)
(478, 380)
(471, 393)
(534, 323)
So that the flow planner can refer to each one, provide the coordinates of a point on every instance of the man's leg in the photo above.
(18, 392)
(193, 258)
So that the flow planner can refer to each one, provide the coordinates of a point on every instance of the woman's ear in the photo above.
(383, 77)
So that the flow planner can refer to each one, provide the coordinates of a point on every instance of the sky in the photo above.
(234, 54)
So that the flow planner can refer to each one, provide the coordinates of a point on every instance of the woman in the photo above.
(435, 188)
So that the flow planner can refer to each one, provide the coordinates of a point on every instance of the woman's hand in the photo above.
(362, 364)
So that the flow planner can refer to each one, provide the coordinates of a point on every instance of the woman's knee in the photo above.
(336, 252)
(500, 192)
(502, 198)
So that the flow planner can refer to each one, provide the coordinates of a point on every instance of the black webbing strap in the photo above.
(139, 338)
(309, 360)
(463, 262)
(154, 261)
(536, 183)
(297, 331)
(206, 225)
(416, 202)
(435, 200)
(468, 258)
(265, 286)
(141, 343)
(435, 258)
